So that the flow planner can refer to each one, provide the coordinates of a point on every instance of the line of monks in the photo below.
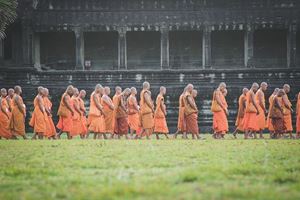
(123, 115)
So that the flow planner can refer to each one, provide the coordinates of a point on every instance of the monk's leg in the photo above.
(34, 136)
(157, 136)
(166, 134)
(95, 136)
(261, 136)
(184, 135)
(147, 133)
(176, 133)
(40, 136)
(291, 135)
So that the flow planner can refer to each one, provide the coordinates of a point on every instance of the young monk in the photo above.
(298, 117)
(191, 114)
(65, 113)
(4, 116)
(95, 119)
(277, 114)
(160, 122)
(121, 125)
(39, 115)
(118, 91)
(260, 101)
(147, 110)
(251, 112)
(133, 114)
(9, 98)
(287, 111)
(181, 125)
(81, 98)
(269, 121)
(77, 125)
(108, 109)
(18, 114)
(220, 112)
(50, 127)
(239, 123)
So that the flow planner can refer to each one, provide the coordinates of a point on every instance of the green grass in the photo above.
(165, 169)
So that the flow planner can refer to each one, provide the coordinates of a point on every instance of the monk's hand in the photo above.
(257, 112)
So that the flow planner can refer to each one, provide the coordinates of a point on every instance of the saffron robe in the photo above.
(160, 122)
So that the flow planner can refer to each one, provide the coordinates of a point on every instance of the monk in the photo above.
(298, 117)
(18, 114)
(95, 119)
(239, 123)
(220, 112)
(39, 115)
(277, 114)
(77, 124)
(181, 126)
(9, 98)
(260, 102)
(121, 124)
(65, 113)
(251, 112)
(108, 109)
(269, 121)
(287, 111)
(5, 116)
(133, 114)
(118, 91)
(160, 122)
(191, 112)
(50, 130)
(147, 110)
(81, 98)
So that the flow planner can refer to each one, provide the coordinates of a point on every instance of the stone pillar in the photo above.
(164, 48)
(248, 46)
(1, 49)
(27, 45)
(122, 48)
(36, 51)
(79, 48)
(206, 48)
(291, 46)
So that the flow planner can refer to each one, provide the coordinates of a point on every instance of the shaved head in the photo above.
(280, 93)
(194, 93)
(118, 90)
(98, 88)
(224, 92)
(69, 90)
(3, 92)
(107, 90)
(189, 88)
(264, 86)
(127, 92)
(82, 94)
(133, 91)
(11, 92)
(46, 91)
(286, 88)
(245, 90)
(146, 85)
(222, 86)
(255, 87)
(276, 90)
(18, 89)
(162, 90)
(40, 90)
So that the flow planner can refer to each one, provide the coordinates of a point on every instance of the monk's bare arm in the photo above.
(286, 103)
(260, 97)
(19, 105)
(148, 100)
(163, 107)
(76, 107)
(191, 102)
(66, 102)
(254, 103)
(135, 103)
(40, 103)
(99, 107)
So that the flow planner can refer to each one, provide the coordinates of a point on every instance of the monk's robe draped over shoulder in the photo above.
(109, 114)
(17, 122)
(181, 125)
(65, 123)
(83, 117)
(287, 115)
(121, 124)
(5, 116)
(269, 121)
(261, 118)
(191, 115)
(239, 123)
(147, 119)
(133, 115)
(50, 127)
(77, 125)
(160, 123)
(277, 122)
(38, 119)
(220, 123)
(250, 118)
(95, 120)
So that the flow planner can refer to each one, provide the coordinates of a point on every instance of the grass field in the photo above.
(165, 169)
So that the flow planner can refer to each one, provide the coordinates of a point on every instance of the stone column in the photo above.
(36, 51)
(122, 48)
(291, 46)
(79, 48)
(248, 46)
(26, 45)
(1, 49)
(206, 48)
(164, 48)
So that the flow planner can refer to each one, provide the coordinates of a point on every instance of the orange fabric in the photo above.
(261, 118)
(95, 120)
(9, 102)
(50, 127)
(38, 119)
(147, 120)
(220, 122)
(109, 114)
(181, 125)
(115, 102)
(192, 123)
(121, 126)
(298, 114)
(188, 109)
(17, 122)
(287, 118)
(269, 121)
(133, 118)
(77, 125)
(4, 119)
(65, 124)
(239, 123)
(250, 118)
(160, 123)
(83, 117)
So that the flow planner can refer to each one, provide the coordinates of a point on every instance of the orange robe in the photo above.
(220, 123)
(160, 122)
(190, 115)
(269, 121)
(239, 123)
(38, 119)
(109, 114)
(4, 119)
(77, 125)
(17, 122)
(147, 120)
(65, 123)
(250, 118)
(277, 122)
(287, 115)
(121, 123)
(50, 127)
(83, 117)
(261, 118)
(181, 125)
(298, 115)
(95, 120)
(115, 102)
(133, 115)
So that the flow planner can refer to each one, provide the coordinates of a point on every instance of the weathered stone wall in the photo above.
(204, 80)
